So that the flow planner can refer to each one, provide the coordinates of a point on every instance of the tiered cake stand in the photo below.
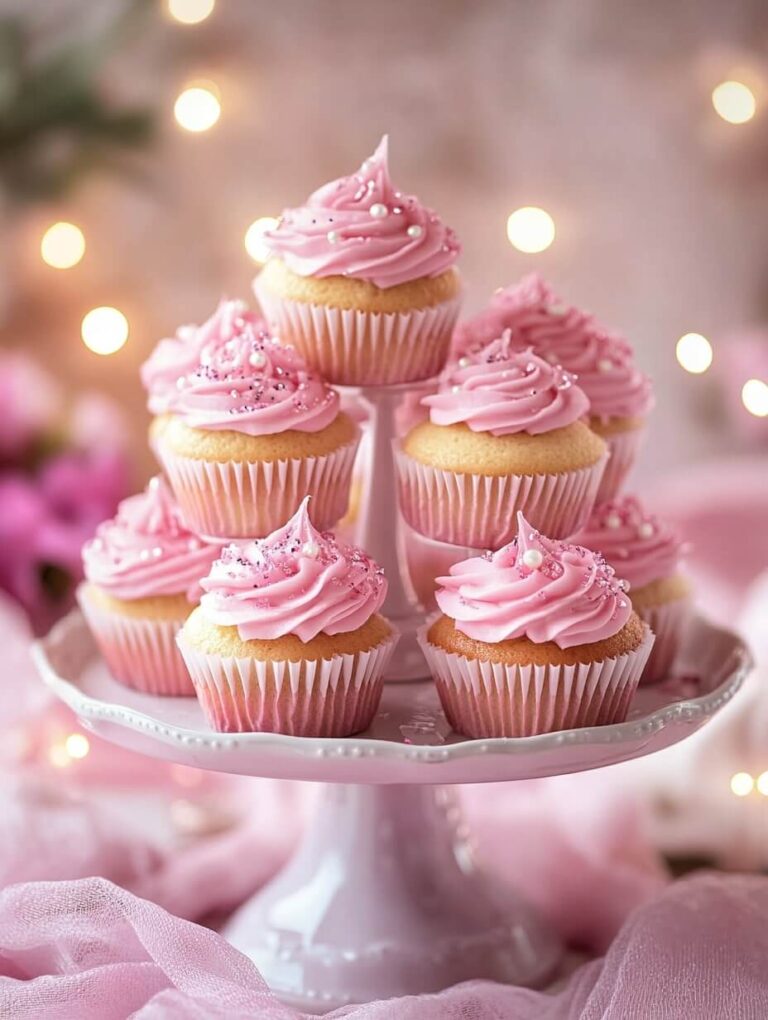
(383, 897)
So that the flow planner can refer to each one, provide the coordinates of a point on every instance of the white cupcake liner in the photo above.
(313, 698)
(349, 347)
(490, 699)
(623, 448)
(668, 622)
(480, 510)
(140, 653)
(230, 499)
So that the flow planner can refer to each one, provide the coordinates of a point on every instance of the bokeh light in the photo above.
(197, 108)
(694, 353)
(62, 245)
(58, 756)
(754, 396)
(255, 244)
(190, 12)
(742, 784)
(104, 330)
(77, 745)
(762, 783)
(734, 102)
(530, 229)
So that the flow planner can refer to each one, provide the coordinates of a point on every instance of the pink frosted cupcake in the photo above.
(142, 578)
(537, 637)
(362, 280)
(647, 552)
(620, 395)
(288, 637)
(246, 430)
(504, 434)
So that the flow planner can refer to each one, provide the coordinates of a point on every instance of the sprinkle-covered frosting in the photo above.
(239, 378)
(537, 588)
(603, 362)
(361, 226)
(502, 391)
(146, 550)
(639, 545)
(296, 581)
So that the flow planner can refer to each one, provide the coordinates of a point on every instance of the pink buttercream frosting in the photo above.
(230, 374)
(638, 544)
(362, 226)
(146, 550)
(537, 588)
(500, 390)
(603, 362)
(296, 581)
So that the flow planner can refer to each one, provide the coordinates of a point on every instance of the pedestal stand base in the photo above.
(383, 899)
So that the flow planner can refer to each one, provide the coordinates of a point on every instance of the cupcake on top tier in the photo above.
(288, 636)
(504, 434)
(536, 637)
(143, 573)
(247, 430)
(362, 280)
(620, 395)
(647, 552)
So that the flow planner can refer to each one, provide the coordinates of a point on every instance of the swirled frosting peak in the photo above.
(536, 588)
(500, 390)
(146, 550)
(362, 226)
(296, 581)
(239, 378)
(640, 546)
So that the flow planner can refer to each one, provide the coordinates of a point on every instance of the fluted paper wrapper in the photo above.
(480, 510)
(490, 699)
(358, 348)
(229, 499)
(623, 448)
(141, 654)
(668, 622)
(312, 698)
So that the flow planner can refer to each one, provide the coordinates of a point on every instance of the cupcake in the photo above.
(247, 430)
(620, 395)
(504, 434)
(288, 636)
(647, 552)
(362, 280)
(537, 637)
(142, 579)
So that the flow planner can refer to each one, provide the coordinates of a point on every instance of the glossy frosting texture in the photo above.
(296, 581)
(536, 588)
(640, 546)
(146, 550)
(500, 390)
(362, 226)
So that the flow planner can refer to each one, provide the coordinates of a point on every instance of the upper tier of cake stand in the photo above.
(409, 741)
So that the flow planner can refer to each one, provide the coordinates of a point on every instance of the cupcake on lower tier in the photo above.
(248, 430)
(143, 573)
(362, 281)
(288, 637)
(504, 434)
(537, 637)
(647, 552)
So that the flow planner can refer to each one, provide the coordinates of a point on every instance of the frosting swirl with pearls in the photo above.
(638, 544)
(536, 588)
(502, 391)
(361, 226)
(146, 550)
(296, 581)
(242, 379)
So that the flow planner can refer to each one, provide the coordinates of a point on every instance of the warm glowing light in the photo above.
(530, 229)
(58, 756)
(754, 396)
(255, 244)
(190, 12)
(197, 108)
(694, 352)
(762, 783)
(742, 784)
(734, 101)
(77, 745)
(104, 330)
(62, 245)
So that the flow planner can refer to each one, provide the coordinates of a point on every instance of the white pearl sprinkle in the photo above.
(455, 389)
(378, 210)
(605, 365)
(310, 550)
(258, 359)
(332, 237)
(181, 382)
(463, 362)
(154, 484)
(645, 530)
(414, 231)
(533, 559)
(613, 521)
(144, 555)
(157, 552)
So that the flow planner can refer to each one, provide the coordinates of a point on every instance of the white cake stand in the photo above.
(382, 897)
